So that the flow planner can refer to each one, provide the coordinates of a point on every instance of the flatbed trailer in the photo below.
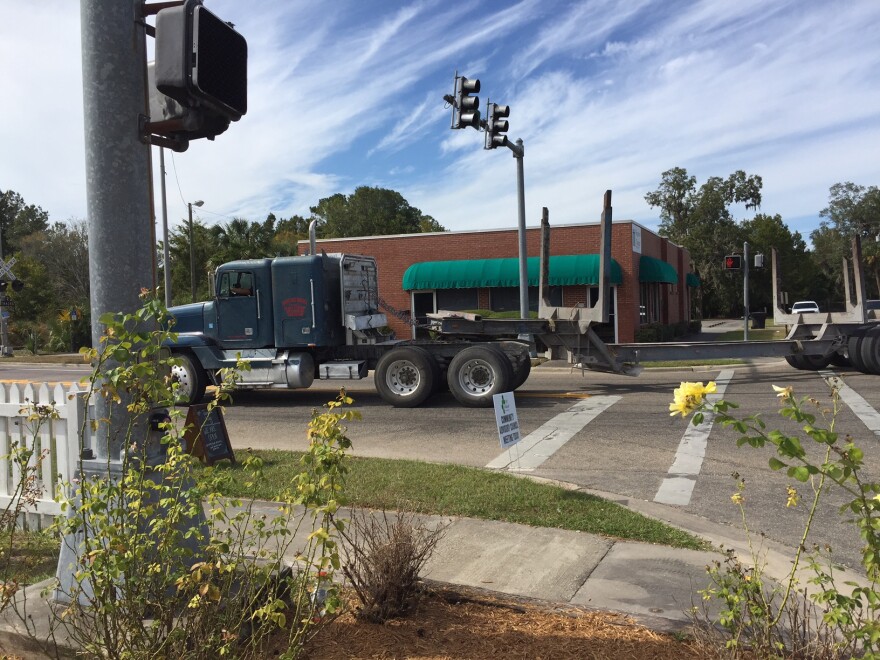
(292, 320)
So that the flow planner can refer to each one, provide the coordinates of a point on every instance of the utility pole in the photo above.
(518, 153)
(166, 259)
(745, 291)
(192, 250)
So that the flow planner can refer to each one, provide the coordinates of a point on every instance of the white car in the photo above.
(804, 307)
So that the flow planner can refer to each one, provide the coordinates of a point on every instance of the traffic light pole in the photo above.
(518, 153)
(745, 291)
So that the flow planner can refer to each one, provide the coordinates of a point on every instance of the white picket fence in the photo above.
(50, 421)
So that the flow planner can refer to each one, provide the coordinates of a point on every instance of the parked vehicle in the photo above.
(805, 307)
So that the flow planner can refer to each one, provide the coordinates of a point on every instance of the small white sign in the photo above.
(637, 239)
(505, 417)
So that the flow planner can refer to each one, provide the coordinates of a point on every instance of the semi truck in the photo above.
(294, 320)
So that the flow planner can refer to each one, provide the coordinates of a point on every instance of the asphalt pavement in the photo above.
(655, 584)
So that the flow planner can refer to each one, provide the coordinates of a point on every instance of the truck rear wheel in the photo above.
(191, 378)
(477, 373)
(854, 350)
(405, 376)
(807, 362)
(870, 351)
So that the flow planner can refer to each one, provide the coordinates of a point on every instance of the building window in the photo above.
(457, 300)
(649, 302)
(506, 298)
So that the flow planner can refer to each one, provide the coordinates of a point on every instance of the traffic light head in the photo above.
(17, 285)
(733, 262)
(496, 125)
(201, 61)
(465, 108)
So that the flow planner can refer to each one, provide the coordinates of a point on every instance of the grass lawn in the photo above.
(462, 491)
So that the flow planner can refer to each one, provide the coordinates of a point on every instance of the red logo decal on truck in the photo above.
(294, 306)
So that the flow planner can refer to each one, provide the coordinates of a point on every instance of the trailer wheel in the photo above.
(807, 362)
(477, 373)
(191, 378)
(870, 351)
(405, 376)
(854, 350)
(520, 361)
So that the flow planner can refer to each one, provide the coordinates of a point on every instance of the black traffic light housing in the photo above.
(496, 125)
(201, 61)
(16, 284)
(733, 262)
(465, 108)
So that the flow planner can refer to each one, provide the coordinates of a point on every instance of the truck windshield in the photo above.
(235, 283)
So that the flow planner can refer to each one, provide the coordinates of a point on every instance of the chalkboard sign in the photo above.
(206, 435)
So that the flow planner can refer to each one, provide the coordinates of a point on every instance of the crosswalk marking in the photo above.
(862, 409)
(678, 486)
(542, 443)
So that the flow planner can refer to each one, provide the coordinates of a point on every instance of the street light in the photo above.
(192, 253)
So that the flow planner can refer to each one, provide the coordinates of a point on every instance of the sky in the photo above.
(605, 94)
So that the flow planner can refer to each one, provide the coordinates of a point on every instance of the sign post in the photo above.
(506, 419)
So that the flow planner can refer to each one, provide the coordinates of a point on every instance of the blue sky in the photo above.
(604, 93)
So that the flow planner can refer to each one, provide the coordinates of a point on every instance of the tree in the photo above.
(801, 277)
(288, 233)
(242, 239)
(63, 249)
(700, 220)
(18, 220)
(852, 210)
(370, 212)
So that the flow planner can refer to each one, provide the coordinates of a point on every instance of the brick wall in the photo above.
(394, 254)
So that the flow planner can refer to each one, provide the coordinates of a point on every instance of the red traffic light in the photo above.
(733, 262)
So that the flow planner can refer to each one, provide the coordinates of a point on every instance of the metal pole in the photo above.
(118, 184)
(746, 291)
(523, 257)
(5, 348)
(192, 254)
(166, 259)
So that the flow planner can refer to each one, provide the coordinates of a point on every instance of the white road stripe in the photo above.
(540, 444)
(862, 409)
(678, 486)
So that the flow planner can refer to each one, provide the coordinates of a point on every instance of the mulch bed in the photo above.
(459, 623)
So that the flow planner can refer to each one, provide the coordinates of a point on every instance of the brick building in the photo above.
(479, 269)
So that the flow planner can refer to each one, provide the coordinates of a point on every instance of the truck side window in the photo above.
(236, 284)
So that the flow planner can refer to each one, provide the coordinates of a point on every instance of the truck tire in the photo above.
(854, 350)
(477, 373)
(405, 377)
(191, 378)
(520, 361)
(870, 351)
(807, 362)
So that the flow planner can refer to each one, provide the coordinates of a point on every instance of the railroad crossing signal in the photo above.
(733, 262)
(7, 277)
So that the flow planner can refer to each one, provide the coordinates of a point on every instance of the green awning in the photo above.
(474, 273)
(692, 279)
(656, 270)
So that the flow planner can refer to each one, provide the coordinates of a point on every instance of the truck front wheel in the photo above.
(191, 378)
(405, 376)
(477, 373)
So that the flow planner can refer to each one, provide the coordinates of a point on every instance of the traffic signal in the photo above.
(201, 61)
(465, 108)
(733, 262)
(496, 125)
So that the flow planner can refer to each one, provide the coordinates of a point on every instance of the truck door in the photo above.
(238, 310)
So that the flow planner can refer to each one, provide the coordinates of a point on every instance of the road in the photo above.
(602, 432)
